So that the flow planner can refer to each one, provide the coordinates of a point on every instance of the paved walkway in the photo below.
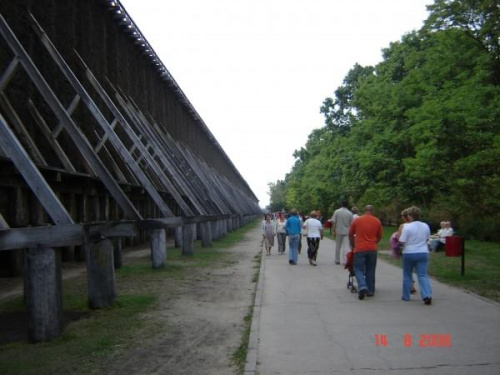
(307, 322)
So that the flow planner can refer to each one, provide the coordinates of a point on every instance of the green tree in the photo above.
(420, 127)
(277, 193)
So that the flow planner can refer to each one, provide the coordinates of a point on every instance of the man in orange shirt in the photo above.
(364, 234)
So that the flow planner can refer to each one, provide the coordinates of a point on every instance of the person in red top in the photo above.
(364, 234)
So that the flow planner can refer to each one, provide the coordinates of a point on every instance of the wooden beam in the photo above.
(37, 237)
(170, 222)
(62, 235)
(113, 229)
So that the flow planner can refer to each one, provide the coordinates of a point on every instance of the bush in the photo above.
(483, 229)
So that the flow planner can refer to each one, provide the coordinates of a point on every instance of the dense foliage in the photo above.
(422, 127)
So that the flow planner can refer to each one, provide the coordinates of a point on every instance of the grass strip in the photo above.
(240, 354)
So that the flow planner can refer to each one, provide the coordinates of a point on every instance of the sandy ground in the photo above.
(202, 325)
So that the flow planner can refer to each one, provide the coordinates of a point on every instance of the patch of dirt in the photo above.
(199, 319)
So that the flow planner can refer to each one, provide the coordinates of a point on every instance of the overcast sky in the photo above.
(257, 71)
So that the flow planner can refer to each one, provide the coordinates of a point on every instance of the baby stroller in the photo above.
(349, 266)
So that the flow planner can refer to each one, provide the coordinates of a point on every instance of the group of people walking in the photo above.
(364, 233)
(294, 227)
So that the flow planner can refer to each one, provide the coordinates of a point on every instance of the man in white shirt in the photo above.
(341, 222)
(314, 233)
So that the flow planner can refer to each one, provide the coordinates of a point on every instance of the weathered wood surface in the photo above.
(178, 237)
(158, 243)
(188, 239)
(206, 234)
(43, 294)
(62, 235)
(53, 236)
(117, 252)
(100, 273)
(164, 222)
(111, 229)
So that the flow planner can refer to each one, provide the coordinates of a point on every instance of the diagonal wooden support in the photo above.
(63, 158)
(170, 165)
(32, 175)
(182, 155)
(101, 120)
(106, 136)
(9, 73)
(208, 175)
(173, 160)
(72, 107)
(138, 146)
(23, 133)
(55, 105)
(113, 166)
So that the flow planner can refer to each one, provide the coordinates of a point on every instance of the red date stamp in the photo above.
(424, 340)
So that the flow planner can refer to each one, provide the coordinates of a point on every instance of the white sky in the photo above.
(257, 71)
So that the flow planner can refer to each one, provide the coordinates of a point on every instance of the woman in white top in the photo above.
(314, 233)
(281, 233)
(414, 236)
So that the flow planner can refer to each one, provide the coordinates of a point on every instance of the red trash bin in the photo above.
(453, 246)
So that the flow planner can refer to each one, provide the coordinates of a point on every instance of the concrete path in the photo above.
(307, 322)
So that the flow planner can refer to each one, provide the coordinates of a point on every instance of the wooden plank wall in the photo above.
(88, 27)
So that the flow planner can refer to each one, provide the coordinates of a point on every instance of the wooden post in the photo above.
(43, 294)
(178, 237)
(195, 232)
(117, 252)
(82, 208)
(223, 225)
(206, 234)
(197, 235)
(216, 229)
(20, 207)
(213, 228)
(100, 273)
(187, 239)
(158, 242)
(68, 252)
